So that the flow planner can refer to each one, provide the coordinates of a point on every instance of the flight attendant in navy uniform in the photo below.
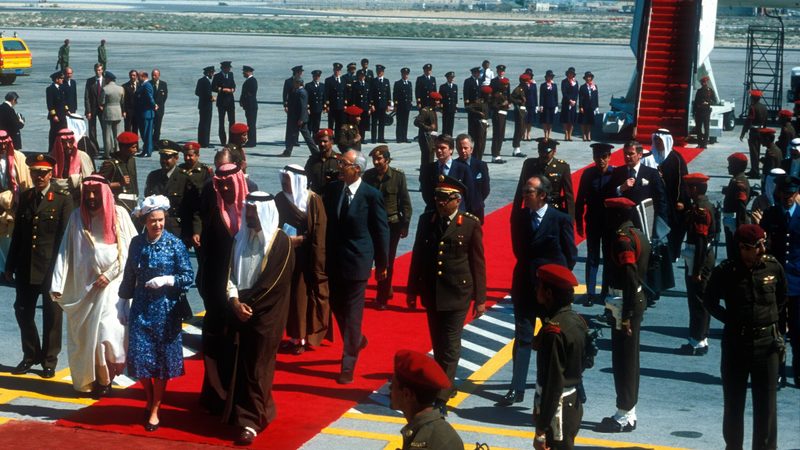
(548, 103)
(588, 102)
(380, 99)
(569, 103)
(334, 98)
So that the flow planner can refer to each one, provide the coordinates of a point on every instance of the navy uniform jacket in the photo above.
(641, 190)
(160, 93)
(248, 99)
(70, 89)
(429, 178)
(449, 94)
(568, 92)
(334, 93)
(360, 237)
(359, 95)
(130, 96)
(589, 100)
(403, 97)
(548, 98)
(10, 123)
(472, 90)
(56, 106)
(223, 80)
(423, 87)
(590, 199)
(203, 92)
(316, 97)
(288, 86)
(298, 106)
(480, 175)
(783, 236)
(380, 94)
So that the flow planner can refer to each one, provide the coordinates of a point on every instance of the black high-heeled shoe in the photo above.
(151, 427)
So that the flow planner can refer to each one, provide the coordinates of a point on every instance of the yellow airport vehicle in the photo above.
(15, 59)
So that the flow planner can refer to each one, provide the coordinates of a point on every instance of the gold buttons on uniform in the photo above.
(439, 273)
(441, 252)
(440, 263)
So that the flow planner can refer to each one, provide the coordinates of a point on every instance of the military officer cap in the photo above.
(322, 133)
(569, 71)
(381, 150)
(556, 276)
(337, 66)
(405, 70)
(225, 64)
(40, 161)
(110, 76)
(588, 74)
(379, 68)
(128, 138)
(547, 145)
(239, 128)
(247, 69)
(451, 185)
(364, 60)
(750, 234)
(501, 68)
(353, 111)
(168, 147)
(208, 69)
(56, 75)
(787, 184)
(297, 69)
(351, 65)
(756, 93)
(695, 178)
(361, 73)
(191, 145)
(420, 370)
(529, 71)
(486, 89)
(600, 149)
(785, 113)
(738, 156)
(435, 95)
(450, 74)
(428, 66)
(619, 203)
(549, 74)
(316, 73)
(475, 70)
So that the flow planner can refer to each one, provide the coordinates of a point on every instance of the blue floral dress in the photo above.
(154, 324)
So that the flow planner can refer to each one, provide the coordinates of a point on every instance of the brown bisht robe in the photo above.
(309, 313)
(249, 401)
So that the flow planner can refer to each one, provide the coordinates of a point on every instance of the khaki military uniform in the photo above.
(427, 122)
(170, 185)
(756, 118)
(518, 99)
(429, 430)
(558, 172)
(734, 210)
(190, 181)
(321, 170)
(349, 138)
(114, 170)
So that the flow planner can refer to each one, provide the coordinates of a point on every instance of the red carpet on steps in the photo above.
(305, 390)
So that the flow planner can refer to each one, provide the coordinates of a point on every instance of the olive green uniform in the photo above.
(171, 185)
(114, 170)
(429, 430)
(756, 118)
(427, 122)
(349, 138)
(558, 172)
(321, 170)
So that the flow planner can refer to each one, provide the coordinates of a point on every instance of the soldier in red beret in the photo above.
(498, 105)
(120, 171)
(756, 118)
(701, 230)
(322, 168)
(237, 142)
(428, 125)
(773, 155)
(753, 286)
(704, 98)
(627, 254)
(560, 350)
(416, 381)
(349, 134)
(736, 198)
(787, 132)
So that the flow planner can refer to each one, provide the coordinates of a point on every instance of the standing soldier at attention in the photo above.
(359, 96)
(205, 106)
(560, 349)
(323, 167)
(498, 105)
(248, 100)
(773, 156)
(703, 100)
(734, 204)
(63, 56)
(479, 110)
(350, 137)
(120, 171)
(701, 230)
(403, 98)
(425, 86)
(224, 85)
(428, 125)
(756, 118)
(449, 93)
(753, 287)
(380, 100)
(519, 98)
(391, 182)
(102, 57)
(316, 101)
(334, 98)
(627, 255)
(556, 170)
(194, 175)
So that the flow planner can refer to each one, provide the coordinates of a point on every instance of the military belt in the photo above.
(757, 331)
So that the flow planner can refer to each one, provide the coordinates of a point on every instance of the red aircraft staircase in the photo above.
(666, 72)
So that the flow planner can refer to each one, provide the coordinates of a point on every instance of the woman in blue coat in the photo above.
(569, 103)
(548, 103)
(532, 103)
(588, 102)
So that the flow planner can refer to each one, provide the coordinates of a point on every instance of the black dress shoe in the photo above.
(609, 425)
(150, 427)
(23, 367)
(345, 377)
(246, 437)
(364, 343)
(48, 372)
(520, 155)
(286, 154)
(380, 306)
(513, 396)
(101, 390)
(589, 300)
(690, 350)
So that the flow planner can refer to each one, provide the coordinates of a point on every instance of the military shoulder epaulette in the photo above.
(769, 258)
(471, 216)
(561, 161)
(398, 170)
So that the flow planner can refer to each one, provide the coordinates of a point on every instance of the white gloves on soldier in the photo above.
(539, 109)
(159, 282)
(557, 110)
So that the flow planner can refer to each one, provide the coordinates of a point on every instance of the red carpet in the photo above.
(305, 390)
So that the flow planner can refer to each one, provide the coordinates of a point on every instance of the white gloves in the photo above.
(522, 108)
(539, 109)
(123, 310)
(596, 111)
(159, 282)
(433, 133)
(557, 110)
(485, 122)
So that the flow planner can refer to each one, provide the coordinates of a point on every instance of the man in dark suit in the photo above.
(248, 100)
(445, 165)
(358, 234)
(540, 234)
(56, 106)
(224, 85)
(403, 101)
(41, 218)
(288, 86)
(359, 96)
(471, 92)
(131, 118)
(637, 181)
(91, 102)
(10, 121)
(205, 102)
(160, 94)
(297, 119)
(70, 89)
(380, 98)
(449, 92)
(316, 101)
(426, 83)
(448, 272)
(480, 173)
(146, 110)
(368, 75)
(334, 99)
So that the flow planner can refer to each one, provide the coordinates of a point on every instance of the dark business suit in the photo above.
(380, 94)
(422, 89)
(316, 103)
(449, 92)
(334, 101)
(131, 119)
(480, 175)
(358, 234)
(589, 216)
(653, 188)
(160, 94)
(403, 102)
(91, 105)
(11, 124)
(248, 100)
(429, 178)
(225, 104)
(205, 106)
(56, 111)
(41, 221)
(70, 88)
(297, 121)
(553, 242)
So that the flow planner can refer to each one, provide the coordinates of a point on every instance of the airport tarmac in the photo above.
(681, 398)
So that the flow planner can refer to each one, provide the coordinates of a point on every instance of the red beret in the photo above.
(504, 81)
(435, 96)
(738, 156)
(556, 275)
(766, 130)
(128, 138)
(785, 113)
(353, 110)
(323, 132)
(420, 370)
(486, 89)
(705, 78)
(696, 178)
(239, 128)
(756, 93)
(524, 77)
(619, 203)
(191, 145)
(750, 234)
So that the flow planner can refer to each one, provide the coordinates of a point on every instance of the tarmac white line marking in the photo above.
(123, 380)
(468, 365)
(487, 334)
(478, 348)
(498, 322)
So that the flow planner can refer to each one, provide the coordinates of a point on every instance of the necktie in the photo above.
(441, 168)
(345, 203)
(443, 224)
(536, 221)
(99, 84)
(631, 173)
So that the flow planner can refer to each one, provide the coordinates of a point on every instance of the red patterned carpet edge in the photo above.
(305, 390)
